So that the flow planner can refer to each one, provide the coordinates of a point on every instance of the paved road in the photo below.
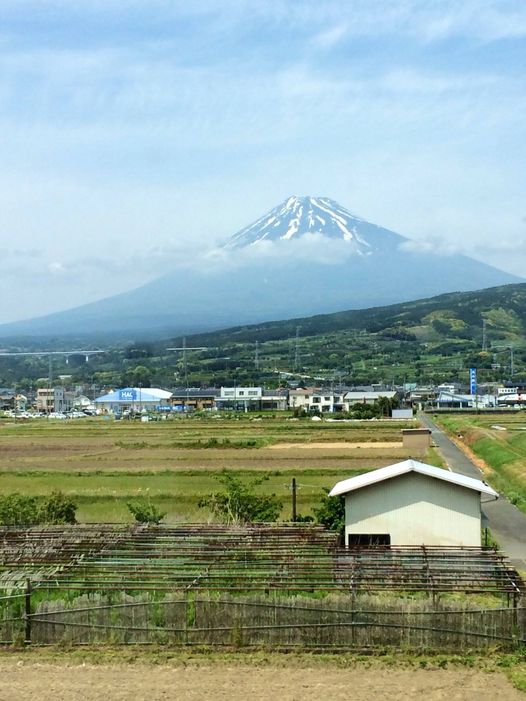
(506, 522)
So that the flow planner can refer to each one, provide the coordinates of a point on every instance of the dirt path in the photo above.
(333, 446)
(20, 680)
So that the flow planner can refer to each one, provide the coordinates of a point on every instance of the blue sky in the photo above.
(133, 131)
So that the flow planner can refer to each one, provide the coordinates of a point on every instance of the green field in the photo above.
(104, 463)
(500, 441)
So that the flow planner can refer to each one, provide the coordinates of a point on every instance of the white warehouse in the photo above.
(411, 503)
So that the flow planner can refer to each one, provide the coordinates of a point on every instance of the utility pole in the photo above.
(256, 356)
(297, 349)
(484, 339)
(185, 365)
(294, 500)
(184, 348)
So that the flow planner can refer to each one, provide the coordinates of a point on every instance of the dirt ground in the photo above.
(55, 681)
(340, 445)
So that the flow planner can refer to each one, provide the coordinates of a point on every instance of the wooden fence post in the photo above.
(27, 614)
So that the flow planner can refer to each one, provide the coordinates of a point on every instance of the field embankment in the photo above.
(498, 444)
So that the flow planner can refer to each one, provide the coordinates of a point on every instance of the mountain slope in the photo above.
(461, 315)
(307, 256)
(428, 340)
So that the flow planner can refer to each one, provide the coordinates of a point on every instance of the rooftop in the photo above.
(404, 468)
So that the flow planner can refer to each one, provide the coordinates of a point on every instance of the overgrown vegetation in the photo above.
(331, 512)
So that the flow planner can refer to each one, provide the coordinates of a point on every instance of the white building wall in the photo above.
(241, 393)
(415, 510)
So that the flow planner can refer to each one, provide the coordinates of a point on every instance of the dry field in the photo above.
(57, 681)
(104, 463)
(194, 444)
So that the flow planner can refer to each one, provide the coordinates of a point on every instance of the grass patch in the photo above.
(504, 451)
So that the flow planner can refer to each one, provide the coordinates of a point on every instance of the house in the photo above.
(7, 399)
(317, 400)
(411, 503)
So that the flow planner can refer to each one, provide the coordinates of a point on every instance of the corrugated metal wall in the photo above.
(415, 510)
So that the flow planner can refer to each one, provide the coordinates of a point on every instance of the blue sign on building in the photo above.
(473, 380)
(127, 395)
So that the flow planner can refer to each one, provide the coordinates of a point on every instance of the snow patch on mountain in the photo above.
(298, 217)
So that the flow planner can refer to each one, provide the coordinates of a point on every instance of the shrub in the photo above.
(20, 510)
(144, 511)
(238, 504)
(58, 508)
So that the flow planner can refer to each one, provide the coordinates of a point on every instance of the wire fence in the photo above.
(255, 586)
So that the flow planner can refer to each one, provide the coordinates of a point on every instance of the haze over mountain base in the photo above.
(307, 256)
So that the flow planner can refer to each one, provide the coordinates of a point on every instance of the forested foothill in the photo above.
(427, 341)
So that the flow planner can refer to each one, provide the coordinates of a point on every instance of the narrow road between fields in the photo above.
(505, 521)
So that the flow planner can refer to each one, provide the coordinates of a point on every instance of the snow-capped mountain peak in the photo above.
(300, 216)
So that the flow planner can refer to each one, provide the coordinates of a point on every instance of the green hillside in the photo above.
(433, 339)
(429, 339)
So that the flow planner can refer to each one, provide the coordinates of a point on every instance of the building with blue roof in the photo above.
(136, 399)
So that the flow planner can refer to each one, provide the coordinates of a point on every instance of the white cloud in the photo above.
(436, 245)
(328, 38)
(308, 247)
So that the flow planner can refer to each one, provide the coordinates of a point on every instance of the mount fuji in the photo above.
(308, 255)
(298, 217)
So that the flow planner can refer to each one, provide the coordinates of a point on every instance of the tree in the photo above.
(139, 376)
(331, 512)
(238, 503)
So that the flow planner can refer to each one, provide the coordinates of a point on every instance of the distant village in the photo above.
(396, 401)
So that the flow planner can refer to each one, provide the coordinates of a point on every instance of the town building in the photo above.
(451, 400)
(366, 397)
(194, 398)
(251, 399)
(54, 399)
(134, 400)
(317, 400)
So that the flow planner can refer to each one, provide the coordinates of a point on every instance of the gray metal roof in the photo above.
(405, 467)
